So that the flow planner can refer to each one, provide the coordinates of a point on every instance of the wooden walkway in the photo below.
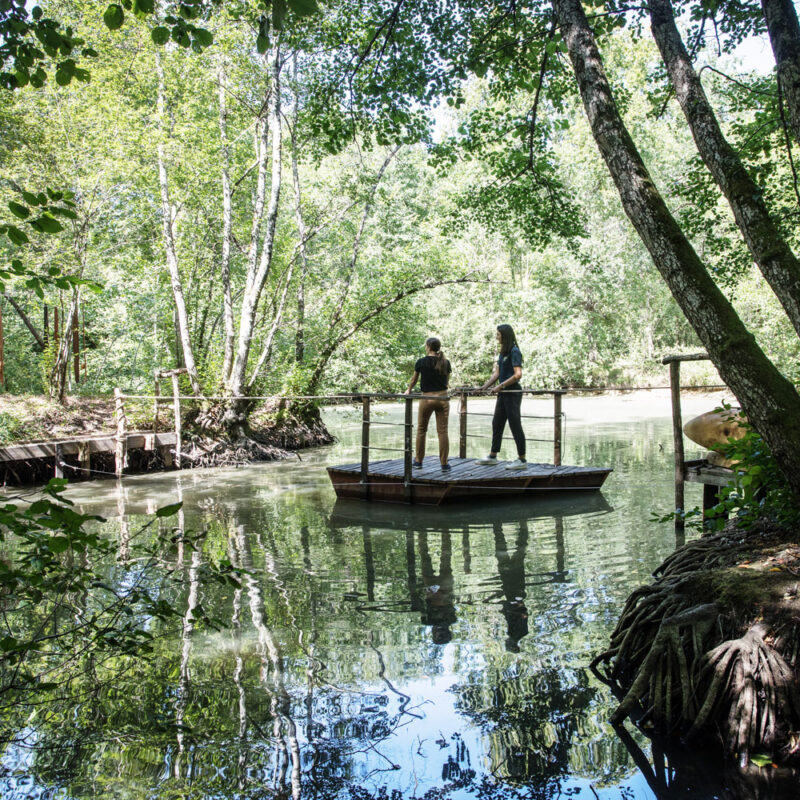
(81, 448)
(466, 479)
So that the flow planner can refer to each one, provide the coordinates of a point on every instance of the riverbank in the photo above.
(40, 438)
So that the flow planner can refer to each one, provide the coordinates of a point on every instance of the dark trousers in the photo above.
(507, 408)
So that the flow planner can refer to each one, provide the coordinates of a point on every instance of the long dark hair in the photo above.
(507, 339)
(435, 346)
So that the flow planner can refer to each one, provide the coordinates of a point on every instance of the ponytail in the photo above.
(435, 346)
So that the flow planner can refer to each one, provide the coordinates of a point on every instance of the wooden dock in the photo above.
(385, 481)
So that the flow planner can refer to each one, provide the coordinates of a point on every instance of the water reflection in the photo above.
(369, 648)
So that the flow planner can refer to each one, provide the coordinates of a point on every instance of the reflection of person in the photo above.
(433, 369)
(512, 579)
(439, 611)
(507, 374)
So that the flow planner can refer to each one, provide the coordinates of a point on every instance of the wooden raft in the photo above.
(466, 479)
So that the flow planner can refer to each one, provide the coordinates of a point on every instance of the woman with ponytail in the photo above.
(434, 369)
(507, 374)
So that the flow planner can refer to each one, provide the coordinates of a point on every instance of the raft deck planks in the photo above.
(430, 485)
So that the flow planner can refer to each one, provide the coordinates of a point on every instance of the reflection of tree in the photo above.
(270, 655)
(184, 683)
(531, 720)
(439, 611)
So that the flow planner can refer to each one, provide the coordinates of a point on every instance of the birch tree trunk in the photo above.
(225, 265)
(769, 249)
(770, 401)
(299, 340)
(168, 222)
(784, 35)
(258, 272)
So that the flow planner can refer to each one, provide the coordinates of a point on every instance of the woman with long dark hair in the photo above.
(507, 374)
(434, 369)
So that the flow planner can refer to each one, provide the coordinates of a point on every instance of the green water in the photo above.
(378, 650)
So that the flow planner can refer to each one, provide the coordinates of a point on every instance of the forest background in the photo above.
(376, 245)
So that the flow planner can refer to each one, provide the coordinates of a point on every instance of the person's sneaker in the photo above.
(416, 464)
(520, 463)
(445, 467)
(487, 461)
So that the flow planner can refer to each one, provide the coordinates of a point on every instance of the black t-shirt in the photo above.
(506, 366)
(431, 380)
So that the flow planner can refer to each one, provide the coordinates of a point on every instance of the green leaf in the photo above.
(113, 17)
(47, 224)
(144, 6)
(203, 36)
(16, 235)
(18, 210)
(58, 544)
(262, 44)
(160, 35)
(761, 760)
(63, 212)
(304, 8)
(168, 511)
(30, 198)
(63, 77)
(54, 195)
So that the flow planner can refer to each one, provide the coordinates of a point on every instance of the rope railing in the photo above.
(365, 399)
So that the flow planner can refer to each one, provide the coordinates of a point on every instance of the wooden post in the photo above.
(120, 455)
(557, 429)
(365, 448)
(407, 430)
(462, 427)
(677, 437)
(176, 398)
(84, 457)
(157, 393)
(59, 459)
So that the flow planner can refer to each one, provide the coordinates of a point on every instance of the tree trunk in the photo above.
(337, 341)
(58, 373)
(2, 354)
(769, 249)
(299, 339)
(257, 278)
(266, 351)
(784, 34)
(168, 221)
(41, 341)
(770, 401)
(225, 266)
(76, 346)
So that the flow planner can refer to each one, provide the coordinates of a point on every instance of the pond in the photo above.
(380, 650)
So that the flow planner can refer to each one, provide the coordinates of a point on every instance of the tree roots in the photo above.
(691, 668)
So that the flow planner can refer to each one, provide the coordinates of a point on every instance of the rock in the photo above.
(713, 430)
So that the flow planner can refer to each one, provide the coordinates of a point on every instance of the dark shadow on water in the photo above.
(391, 516)
(674, 772)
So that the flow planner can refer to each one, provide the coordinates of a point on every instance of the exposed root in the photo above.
(685, 654)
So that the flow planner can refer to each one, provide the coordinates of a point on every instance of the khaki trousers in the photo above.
(437, 404)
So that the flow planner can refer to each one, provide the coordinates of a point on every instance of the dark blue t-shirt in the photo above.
(506, 366)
